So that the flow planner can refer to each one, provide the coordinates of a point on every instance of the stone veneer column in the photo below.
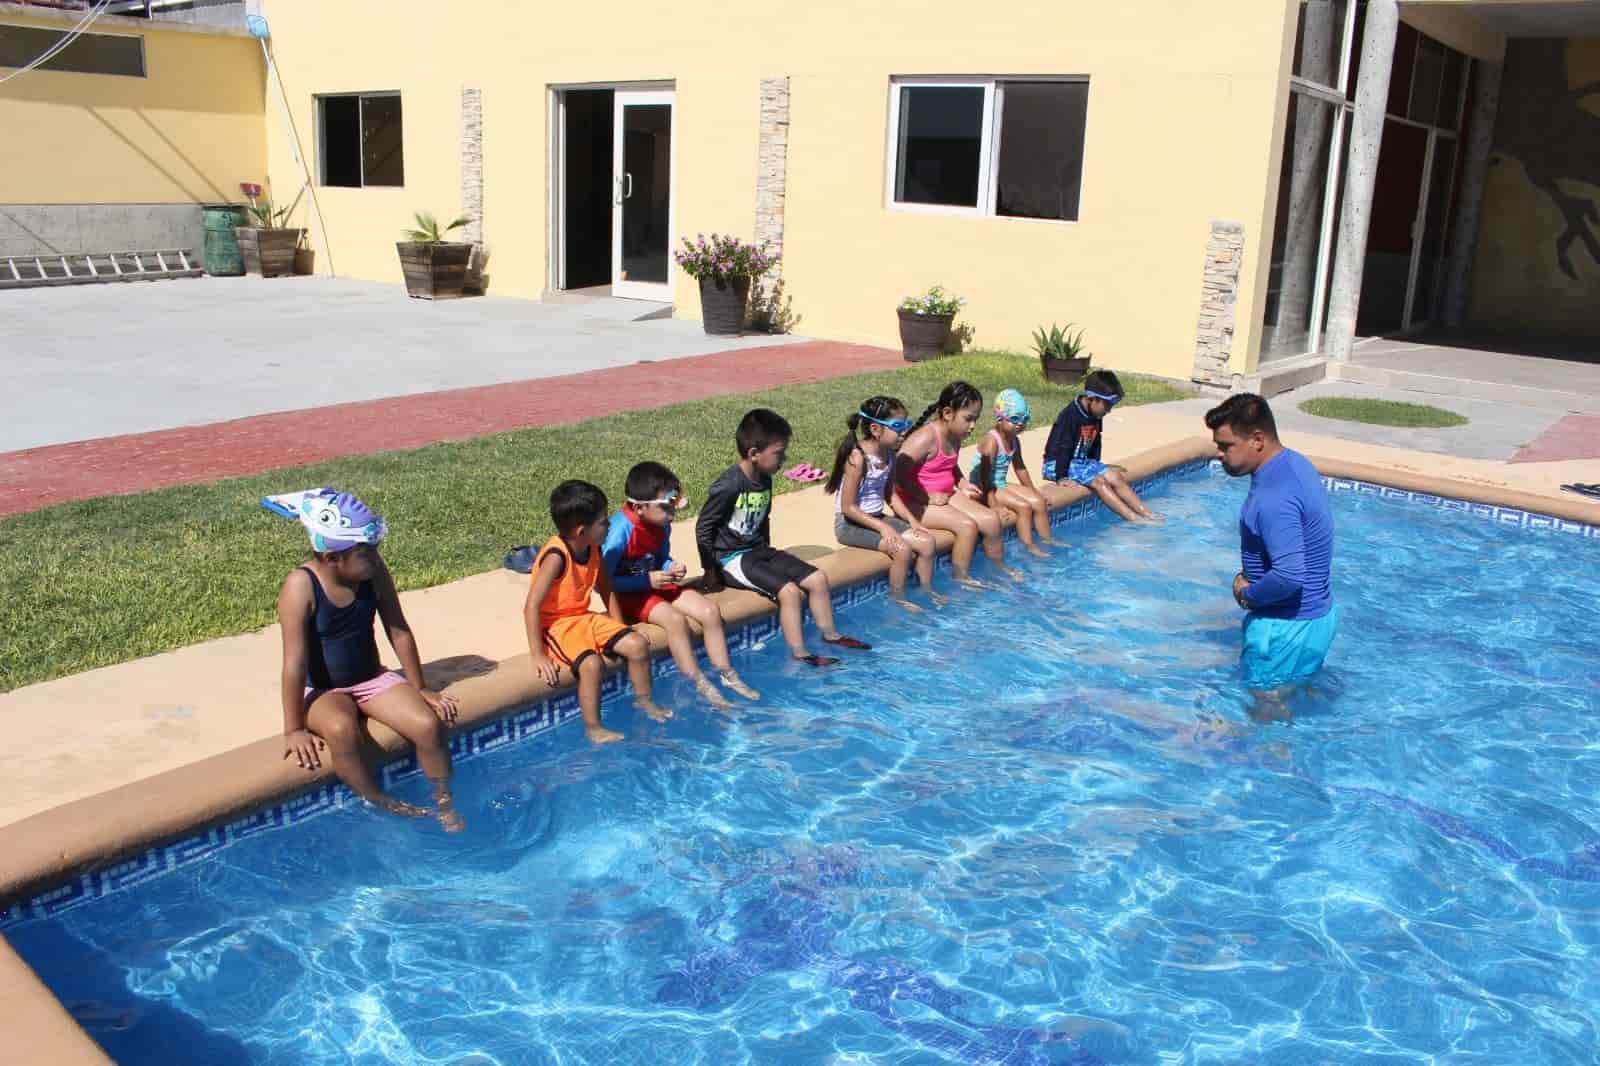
(1361, 174)
(472, 179)
(772, 162)
(1474, 175)
(1219, 293)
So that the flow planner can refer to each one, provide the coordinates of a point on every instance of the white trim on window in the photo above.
(993, 86)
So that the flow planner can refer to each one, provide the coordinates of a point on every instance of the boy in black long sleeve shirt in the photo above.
(1073, 451)
(734, 535)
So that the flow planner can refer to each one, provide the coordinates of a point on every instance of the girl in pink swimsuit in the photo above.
(929, 483)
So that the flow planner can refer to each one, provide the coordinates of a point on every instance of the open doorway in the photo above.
(613, 175)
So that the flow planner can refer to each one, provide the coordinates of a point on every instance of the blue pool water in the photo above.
(1036, 827)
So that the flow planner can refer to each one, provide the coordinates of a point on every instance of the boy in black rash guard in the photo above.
(1073, 451)
(734, 535)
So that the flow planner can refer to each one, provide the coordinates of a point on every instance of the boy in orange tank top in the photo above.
(563, 630)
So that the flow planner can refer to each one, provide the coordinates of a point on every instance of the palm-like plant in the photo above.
(266, 217)
(427, 230)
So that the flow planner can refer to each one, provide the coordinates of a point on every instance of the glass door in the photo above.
(1428, 269)
(641, 226)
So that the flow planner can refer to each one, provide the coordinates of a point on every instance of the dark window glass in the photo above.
(1041, 149)
(1405, 61)
(1426, 79)
(341, 140)
(941, 133)
(1455, 69)
(91, 53)
(1319, 40)
(381, 152)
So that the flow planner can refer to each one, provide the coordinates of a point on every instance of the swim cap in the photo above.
(338, 523)
(1011, 406)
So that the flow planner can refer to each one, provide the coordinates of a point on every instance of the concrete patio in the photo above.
(1564, 377)
(93, 361)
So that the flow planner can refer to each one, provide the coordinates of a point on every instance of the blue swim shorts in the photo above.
(1082, 471)
(1283, 651)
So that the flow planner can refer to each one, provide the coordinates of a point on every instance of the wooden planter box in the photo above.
(924, 336)
(434, 271)
(1064, 371)
(267, 252)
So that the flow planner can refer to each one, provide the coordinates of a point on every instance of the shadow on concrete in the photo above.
(1568, 347)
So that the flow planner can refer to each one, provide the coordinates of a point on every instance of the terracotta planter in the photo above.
(924, 336)
(434, 271)
(1064, 371)
(268, 252)
(722, 305)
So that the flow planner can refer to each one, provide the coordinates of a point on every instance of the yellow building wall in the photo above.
(1184, 122)
(188, 132)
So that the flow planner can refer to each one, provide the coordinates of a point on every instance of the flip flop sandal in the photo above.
(805, 472)
(818, 660)
(847, 642)
(1591, 490)
(521, 559)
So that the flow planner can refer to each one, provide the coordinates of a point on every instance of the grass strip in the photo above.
(1383, 412)
(103, 581)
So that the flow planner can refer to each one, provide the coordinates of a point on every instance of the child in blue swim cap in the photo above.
(332, 676)
(1001, 477)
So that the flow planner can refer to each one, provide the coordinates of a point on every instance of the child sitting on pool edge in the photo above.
(866, 513)
(332, 674)
(734, 535)
(999, 457)
(647, 581)
(1073, 451)
(562, 629)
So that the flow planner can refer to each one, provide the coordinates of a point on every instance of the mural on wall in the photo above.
(1554, 136)
(1538, 261)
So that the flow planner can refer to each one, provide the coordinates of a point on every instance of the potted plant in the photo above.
(925, 323)
(724, 266)
(1061, 354)
(267, 246)
(435, 269)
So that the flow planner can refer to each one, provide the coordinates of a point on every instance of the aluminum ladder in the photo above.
(86, 268)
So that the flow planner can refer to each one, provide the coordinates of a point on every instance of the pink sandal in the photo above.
(804, 472)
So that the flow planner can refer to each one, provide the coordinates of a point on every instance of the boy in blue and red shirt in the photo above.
(1073, 451)
(646, 581)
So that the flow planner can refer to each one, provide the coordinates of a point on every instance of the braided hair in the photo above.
(956, 395)
(882, 407)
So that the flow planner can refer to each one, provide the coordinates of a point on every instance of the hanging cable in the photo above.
(67, 38)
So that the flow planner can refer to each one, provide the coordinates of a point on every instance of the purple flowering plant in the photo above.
(721, 257)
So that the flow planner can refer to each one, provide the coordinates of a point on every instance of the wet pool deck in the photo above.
(135, 720)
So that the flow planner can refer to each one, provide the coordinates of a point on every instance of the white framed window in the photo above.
(360, 139)
(1008, 147)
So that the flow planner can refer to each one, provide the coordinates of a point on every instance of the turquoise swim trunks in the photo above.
(1283, 651)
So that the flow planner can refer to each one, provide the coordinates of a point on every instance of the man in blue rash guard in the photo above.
(1286, 549)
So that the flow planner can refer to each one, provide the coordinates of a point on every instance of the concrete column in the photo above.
(1361, 174)
(1474, 174)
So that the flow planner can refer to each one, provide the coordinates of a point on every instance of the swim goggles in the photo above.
(1112, 400)
(1017, 420)
(672, 501)
(898, 425)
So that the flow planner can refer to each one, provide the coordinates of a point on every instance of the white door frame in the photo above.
(622, 189)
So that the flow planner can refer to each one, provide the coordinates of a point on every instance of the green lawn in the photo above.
(103, 581)
(1383, 412)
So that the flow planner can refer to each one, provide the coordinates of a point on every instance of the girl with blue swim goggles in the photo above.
(901, 426)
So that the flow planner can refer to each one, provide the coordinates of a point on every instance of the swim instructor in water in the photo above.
(1286, 550)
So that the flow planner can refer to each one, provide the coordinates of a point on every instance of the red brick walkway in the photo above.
(38, 477)
(1573, 437)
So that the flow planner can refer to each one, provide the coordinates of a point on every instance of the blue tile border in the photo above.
(555, 710)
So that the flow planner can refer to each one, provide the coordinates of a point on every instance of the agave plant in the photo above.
(427, 230)
(1058, 343)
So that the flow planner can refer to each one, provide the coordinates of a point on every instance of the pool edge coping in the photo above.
(96, 832)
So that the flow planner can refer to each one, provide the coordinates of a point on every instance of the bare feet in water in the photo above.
(938, 599)
(390, 805)
(711, 694)
(1037, 552)
(449, 818)
(601, 735)
(902, 601)
(736, 685)
(654, 710)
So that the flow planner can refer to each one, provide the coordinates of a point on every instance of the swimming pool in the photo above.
(1036, 827)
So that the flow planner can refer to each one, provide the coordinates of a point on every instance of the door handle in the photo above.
(628, 195)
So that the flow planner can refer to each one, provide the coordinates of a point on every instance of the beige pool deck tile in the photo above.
(83, 735)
